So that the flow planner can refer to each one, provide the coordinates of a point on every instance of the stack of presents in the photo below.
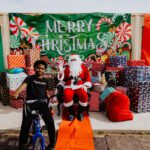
(9, 82)
(131, 77)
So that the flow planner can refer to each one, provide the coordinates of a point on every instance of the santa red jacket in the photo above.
(83, 79)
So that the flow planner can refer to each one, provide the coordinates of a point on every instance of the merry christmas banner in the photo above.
(98, 35)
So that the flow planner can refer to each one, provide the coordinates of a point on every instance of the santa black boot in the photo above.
(80, 115)
(71, 113)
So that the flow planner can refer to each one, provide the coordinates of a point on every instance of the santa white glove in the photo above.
(84, 88)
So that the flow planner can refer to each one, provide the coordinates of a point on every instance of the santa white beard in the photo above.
(75, 68)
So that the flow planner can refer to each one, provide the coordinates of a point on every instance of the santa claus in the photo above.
(77, 80)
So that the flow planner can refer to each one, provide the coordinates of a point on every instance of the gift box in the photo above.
(118, 61)
(29, 71)
(22, 95)
(3, 81)
(97, 67)
(5, 97)
(51, 92)
(31, 56)
(15, 80)
(138, 73)
(115, 74)
(16, 52)
(52, 81)
(136, 62)
(16, 103)
(16, 61)
(94, 101)
(139, 94)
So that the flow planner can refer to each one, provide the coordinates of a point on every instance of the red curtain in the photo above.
(146, 40)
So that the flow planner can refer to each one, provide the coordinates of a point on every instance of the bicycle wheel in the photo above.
(38, 143)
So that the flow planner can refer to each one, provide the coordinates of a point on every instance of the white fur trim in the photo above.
(83, 104)
(62, 83)
(73, 87)
(68, 104)
(88, 84)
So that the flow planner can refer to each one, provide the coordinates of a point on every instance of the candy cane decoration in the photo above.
(126, 43)
(18, 27)
(32, 36)
(123, 32)
(101, 21)
(14, 41)
(88, 63)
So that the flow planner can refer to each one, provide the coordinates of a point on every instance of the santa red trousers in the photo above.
(80, 93)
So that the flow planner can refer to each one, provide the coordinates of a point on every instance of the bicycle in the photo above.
(37, 140)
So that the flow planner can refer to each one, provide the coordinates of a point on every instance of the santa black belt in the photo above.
(76, 80)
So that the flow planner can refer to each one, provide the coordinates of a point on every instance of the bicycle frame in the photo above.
(38, 133)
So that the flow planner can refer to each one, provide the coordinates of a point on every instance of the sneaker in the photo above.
(80, 117)
(71, 117)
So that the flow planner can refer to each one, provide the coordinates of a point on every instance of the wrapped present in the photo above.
(97, 67)
(136, 62)
(29, 71)
(31, 56)
(22, 95)
(15, 80)
(52, 81)
(16, 61)
(3, 81)
(51, 92)
(16, 103)
(138, 73)
(94, 101)
(115, 74)
(5, 97)
(16, 52)
(118, 61)
(147, 73)
(139, 94)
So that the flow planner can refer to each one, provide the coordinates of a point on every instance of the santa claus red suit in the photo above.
(77, 80)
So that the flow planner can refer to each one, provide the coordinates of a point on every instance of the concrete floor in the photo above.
(10, 118)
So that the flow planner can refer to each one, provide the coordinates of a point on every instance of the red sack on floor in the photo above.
(118, 107)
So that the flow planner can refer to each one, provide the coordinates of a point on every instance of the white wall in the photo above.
(75, 6)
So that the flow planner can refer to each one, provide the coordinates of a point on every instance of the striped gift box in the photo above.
(16, 61)
(136, 62)
(31, 56)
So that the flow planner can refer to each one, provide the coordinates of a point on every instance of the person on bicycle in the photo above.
(36, 87)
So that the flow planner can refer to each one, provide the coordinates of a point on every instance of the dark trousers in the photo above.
(27, 121)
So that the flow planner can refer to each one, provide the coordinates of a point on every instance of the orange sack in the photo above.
(75, 135)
